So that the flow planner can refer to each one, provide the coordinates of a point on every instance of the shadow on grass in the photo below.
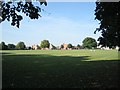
(45, 71)
(4, 53)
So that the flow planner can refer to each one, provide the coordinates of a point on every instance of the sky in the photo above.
(61, 22)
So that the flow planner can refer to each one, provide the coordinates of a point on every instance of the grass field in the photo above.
(60, 69)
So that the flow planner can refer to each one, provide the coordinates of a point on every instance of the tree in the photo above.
(78, 46)
(61, 47)
(69, 45)
(9, 10)
(108, 13)
(29, 48)
(11, 46)
(52, 47)
(20, 46)
(3, 46)
(89, 43)
(45, 44)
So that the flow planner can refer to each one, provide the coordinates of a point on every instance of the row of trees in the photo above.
(87, 43)
(19, 46)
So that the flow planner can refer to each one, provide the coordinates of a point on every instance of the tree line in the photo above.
(19, 46)
(88, 43)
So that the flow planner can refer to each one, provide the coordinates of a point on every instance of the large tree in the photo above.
(12, 10)
(108, 13)
(21, 46)
(89, 43)
(45, 44)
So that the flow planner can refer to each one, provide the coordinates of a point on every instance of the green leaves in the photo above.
(108, 13)
(20, 46)
(10, 10)
(45, 44)
(89, 43)
(69, 45)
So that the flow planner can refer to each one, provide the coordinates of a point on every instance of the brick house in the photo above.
(35, 47)
(65, 46)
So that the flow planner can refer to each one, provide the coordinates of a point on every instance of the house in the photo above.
(35, 47)
(65, 46)
(44, 48)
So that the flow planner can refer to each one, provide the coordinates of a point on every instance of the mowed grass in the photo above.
(60, 69)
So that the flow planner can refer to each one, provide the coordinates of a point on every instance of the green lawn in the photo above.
(60, 69)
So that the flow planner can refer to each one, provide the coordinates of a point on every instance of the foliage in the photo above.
(61, 46)
(11, 46)
(78, 46)
(45, 44)
(53, 47)
(3, 46)
(89, 43)
(69, 45)
(9, 10)
(29, 48)
(20, 46)
(108, 13)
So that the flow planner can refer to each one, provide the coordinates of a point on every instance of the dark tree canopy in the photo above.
(11, 46)
(9, 10)
(78, 46)
(108, 13)
(69, 45)
(89, 43)
(3, 46)
(61, 46)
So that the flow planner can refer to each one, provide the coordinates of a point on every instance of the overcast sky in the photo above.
(61, 22)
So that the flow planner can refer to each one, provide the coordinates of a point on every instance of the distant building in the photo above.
(65, 46)
(75, 47)
(35, 47)
(44, 48)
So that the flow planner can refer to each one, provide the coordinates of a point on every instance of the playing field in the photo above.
(60, 68)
